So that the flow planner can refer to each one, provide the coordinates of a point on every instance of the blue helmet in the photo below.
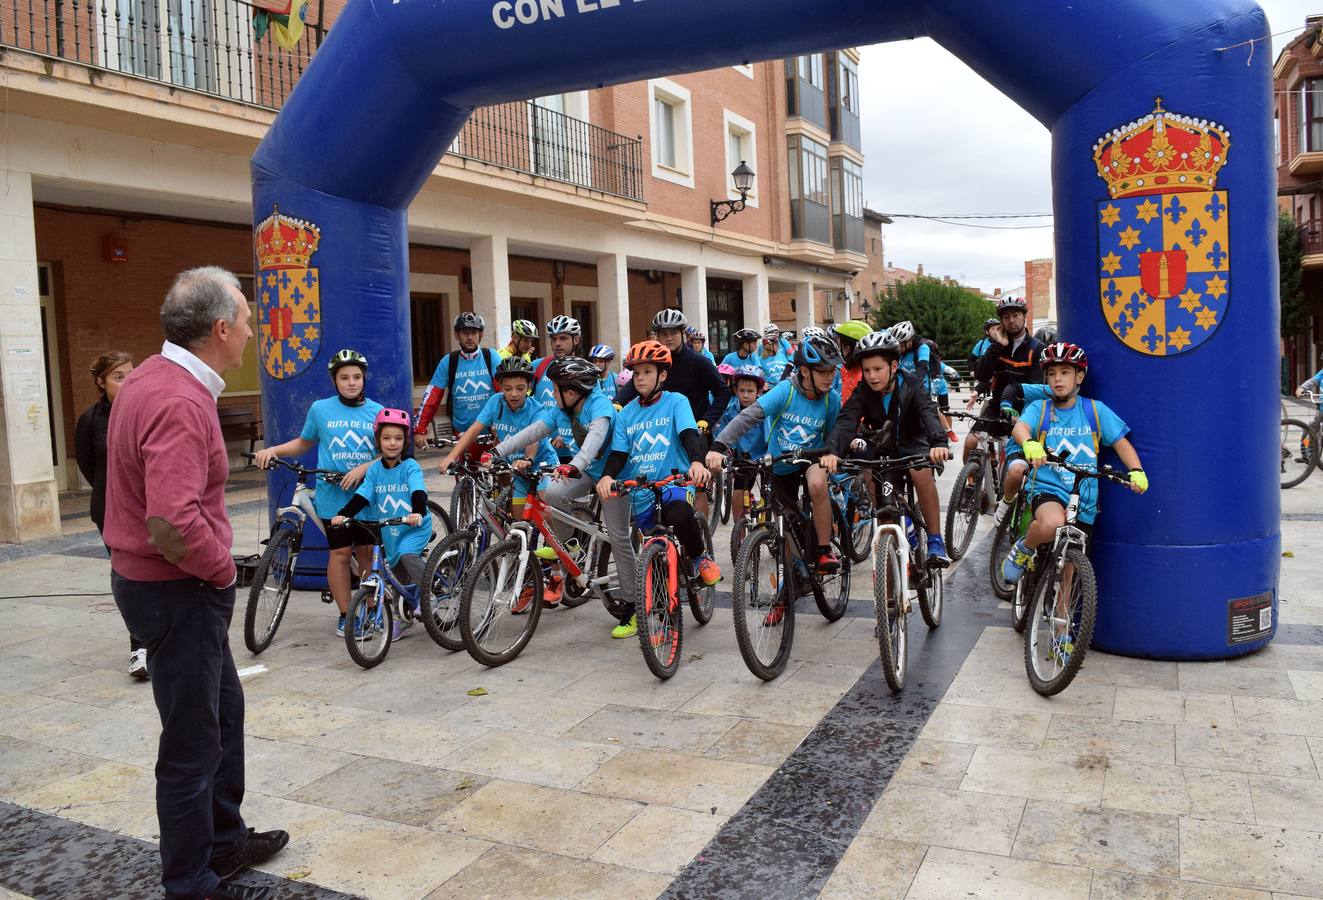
(818, 352)
(601, 351)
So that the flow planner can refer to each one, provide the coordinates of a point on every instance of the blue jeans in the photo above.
(199, 765)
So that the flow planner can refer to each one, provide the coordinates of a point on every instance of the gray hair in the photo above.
(197, 299)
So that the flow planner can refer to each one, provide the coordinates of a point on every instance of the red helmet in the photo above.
(648, 352)
(390, 417)
(1062, 353)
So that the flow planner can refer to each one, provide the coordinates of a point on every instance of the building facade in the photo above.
(1040, 290)
(128, 159)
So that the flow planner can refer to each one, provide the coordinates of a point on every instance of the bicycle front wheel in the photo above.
(499, 607)
(703, 601)
(269, 595)
(763, 605)
(464, 503)
(1299, 451)
(442, 527)
(727, 489)
(438, 593)
(834, 596)
(1062, 610)
(657, 607)
(368, 627)
(861, 519)
(889, 610)
(962, 510)
(716, 496)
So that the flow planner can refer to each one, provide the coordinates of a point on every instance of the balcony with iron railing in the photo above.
(209, 46)
(1311, 243)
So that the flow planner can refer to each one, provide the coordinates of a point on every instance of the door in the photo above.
(66, 475)
(725, 308)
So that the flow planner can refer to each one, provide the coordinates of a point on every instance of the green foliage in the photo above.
(950, 315)
(1290, 253)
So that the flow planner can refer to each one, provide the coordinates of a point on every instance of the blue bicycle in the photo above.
(376, 607)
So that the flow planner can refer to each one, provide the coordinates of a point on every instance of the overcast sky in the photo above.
(916, 140)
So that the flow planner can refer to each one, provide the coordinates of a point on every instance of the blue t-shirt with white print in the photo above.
(389, 493)
(595, 406)
(473, 385)
(1029, 393)
(754, 442)
(344, 441)
(773, 366)
(650, 437)
(505, 423)
(735, 361)
(1069, 434)
(608, 385)
(794, 422)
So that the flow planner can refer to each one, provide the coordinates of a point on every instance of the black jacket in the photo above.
(694, 376)
(90, 450)
(999, 366)
(917, 426)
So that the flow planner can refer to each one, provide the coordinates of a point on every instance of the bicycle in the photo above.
(978, 486)
(894, 576)
(664, 570)
(772, 557)
(1299, 446)
(1012, 528)
(375, 606)
(1057, 638)
(856, 505)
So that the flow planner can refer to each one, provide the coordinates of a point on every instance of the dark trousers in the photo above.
(199, 766)
(134, 644)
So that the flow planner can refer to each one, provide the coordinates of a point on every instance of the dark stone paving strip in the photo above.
(1311, 635)
(44, 856)
(1302, 517)
(790, 835)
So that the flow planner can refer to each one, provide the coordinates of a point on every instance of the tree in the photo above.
(951, 315)
(1290, 256)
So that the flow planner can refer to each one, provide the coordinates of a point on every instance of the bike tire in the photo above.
(759, 558)
(366, 637)
(1047, 585)
(439, 590)
(464, 503)
(834, 594)
(1002, 539)
(728, 488)
(263, 615)
(863, 522)
(658, 611)
(481, 575)
(716, 495)
(889, 611)
(1296, 433)
(962, 509)
(703, 601)
(572, 596)
(931, 585)
(442, 526)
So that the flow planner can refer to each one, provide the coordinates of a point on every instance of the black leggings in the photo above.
(681, 518)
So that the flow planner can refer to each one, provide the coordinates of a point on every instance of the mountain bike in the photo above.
(897, 571)
(978, 486)
(1299, 447)
(1062, 593)
(376, 607)
(1012, 528)
(771, 573)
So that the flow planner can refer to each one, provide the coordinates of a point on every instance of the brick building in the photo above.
(128, 149)
(872, 277)
(1298, 125)
(1040, 290)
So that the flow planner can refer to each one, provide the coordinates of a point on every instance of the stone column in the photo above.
(804, 298)
(693, 291)
(613, 302)
(757, 301)
(29, 502)
(489, 261)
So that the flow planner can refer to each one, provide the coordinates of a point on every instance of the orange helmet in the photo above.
(648, 352)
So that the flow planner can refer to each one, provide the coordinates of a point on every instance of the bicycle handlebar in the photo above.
(807, 457)
(278, 462)
(677, 479)
(915, 461)
(1084, 472)
(378, 523)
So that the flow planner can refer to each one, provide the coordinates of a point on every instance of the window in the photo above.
(808, 190)
(725, 313)
(584, 313)
(1311, 115)
(427, 330)
(741, 146)
(847, 204)
(806, 90)
(672, 136)
(848, 86)
(810, 70)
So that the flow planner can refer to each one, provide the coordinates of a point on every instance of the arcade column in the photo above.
(489, 260)
(693, 291)
(613, 301)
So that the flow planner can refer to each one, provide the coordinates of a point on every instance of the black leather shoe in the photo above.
(257, 848)
(229, 890)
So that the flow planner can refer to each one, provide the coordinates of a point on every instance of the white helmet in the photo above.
(564, 325)
(669, 318)
(771, 330)
(903, 331)
(813, 331)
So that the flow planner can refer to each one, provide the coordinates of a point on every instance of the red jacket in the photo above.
(165, 484)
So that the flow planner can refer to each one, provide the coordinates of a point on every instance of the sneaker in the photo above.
(545, 553)
(828, 561)
(1013, 566)
(231, 890)
(521, 605)
(551, 592)
(258, 847)
(937, 557)
(626, 629)
(774, 617)
(398, 628)
(138, 663)
(708, 570)
(340, 627)
(1062, 649)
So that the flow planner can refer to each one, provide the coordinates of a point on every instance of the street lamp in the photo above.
(743, 177)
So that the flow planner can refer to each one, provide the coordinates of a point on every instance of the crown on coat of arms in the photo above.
(1161, 153)
(284, 242)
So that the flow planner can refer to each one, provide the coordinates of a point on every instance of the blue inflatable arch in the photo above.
(1156, 201)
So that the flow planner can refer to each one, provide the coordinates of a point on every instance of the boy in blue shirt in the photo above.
(602, 356)
(698, 343)
(654, 435)
(341, 428)
(746, 345)
(1074, 428)
(748, 382)
(798, 414)
(774, 355)
(393, 487)
(463, 377)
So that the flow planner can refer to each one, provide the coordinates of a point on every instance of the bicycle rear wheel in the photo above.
(464, 503)
(267, 598)
(1007, 533)
(834, 595)
(716, 496)
(762, 606)
(727, 489)
(703, 601)
(368, 627)
(931, 582)
(889, 611)
(657, 608)
(439, 590)
(442, 527)
(1299, 452)
(962, 510)
(1062, 611)
(498, 608)
(859, 513)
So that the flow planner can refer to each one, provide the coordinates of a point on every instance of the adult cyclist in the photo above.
(523, 338)
(565, 334)
(746, 345)
(463, 379)
(691, 374)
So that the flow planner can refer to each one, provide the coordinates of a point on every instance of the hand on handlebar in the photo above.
(1138, 481)
(339, 521)
(606, 487)
(939, 454)
(831, 462)
(413, 520)
(262, 458)
(716, 460)
(1034, 453)
(699, 474)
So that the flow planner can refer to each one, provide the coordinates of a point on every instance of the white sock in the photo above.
(1003, 507)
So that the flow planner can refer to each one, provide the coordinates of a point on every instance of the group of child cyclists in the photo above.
(673, 408)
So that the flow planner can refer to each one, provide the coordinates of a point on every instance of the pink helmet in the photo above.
(725, 371)
(390, 417)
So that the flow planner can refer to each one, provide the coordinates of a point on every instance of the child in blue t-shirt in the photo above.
(340, 427)
(748, 383)
(1074, 428)
(392, 489)
(602, 356)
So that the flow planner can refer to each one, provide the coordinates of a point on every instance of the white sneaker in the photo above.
(138, 663)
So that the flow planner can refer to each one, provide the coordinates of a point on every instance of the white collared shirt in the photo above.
(195, 367)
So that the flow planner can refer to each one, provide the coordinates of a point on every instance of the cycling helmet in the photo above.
(772, 330)
(564, 325)
(390, 417)
(1063, 353)
(788, 335)
(989, 324)
(818, 353)
(744, 335)
(347, 358)
(523, 328)
(514, 365)
(470, 320)
(751, 372)
(601, 351)
(1046, 335)
(726, 371)
(813, 331)
(574, 372)
(853, 329)
(1012, 304)
(648, 352)
(878, 343)
(903, 331)
(669, 319)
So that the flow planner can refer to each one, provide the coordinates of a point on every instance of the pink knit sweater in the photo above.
(165, 488)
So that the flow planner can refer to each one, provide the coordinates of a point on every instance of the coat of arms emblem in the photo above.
(289, 310)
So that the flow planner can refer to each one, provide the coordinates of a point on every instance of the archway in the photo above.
(1153, 201)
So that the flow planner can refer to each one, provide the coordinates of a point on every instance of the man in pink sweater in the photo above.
(173, 580)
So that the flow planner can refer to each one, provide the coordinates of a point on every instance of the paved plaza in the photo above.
(574, 773)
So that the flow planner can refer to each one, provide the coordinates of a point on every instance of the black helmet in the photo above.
(347, 358)
(574, 372)
(470, 320)
(818, 352)
(744, 335)
(989, 323)
(1047, 334)
(514, 365)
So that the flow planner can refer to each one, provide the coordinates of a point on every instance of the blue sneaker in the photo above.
(340, 628)
(937, 557)
(1013, 566)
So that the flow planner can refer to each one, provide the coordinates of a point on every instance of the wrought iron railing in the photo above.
(1311, 237)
